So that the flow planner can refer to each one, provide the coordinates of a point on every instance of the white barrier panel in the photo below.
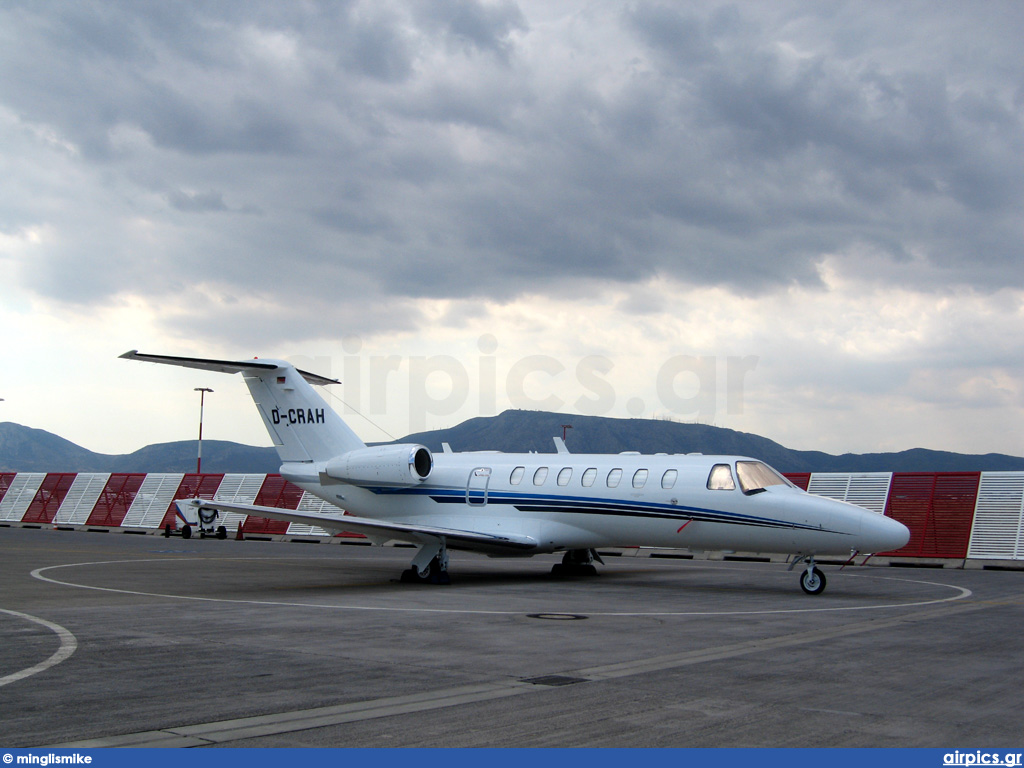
(241, 489)
(865, 489)
(316, 505)
(19, 496)
(998, 517)
(151, 502)
(82, 497)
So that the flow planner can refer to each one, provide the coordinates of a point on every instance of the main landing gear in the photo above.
(577, 562)
(430, 566)
(812, 580)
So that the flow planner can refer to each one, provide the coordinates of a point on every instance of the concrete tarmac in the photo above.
(109, 639)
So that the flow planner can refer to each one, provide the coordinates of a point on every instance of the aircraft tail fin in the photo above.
(302, 426)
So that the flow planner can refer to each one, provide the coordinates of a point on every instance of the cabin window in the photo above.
(540, 476)
(565, 476)
(720, 478)
(614, 477)
(755, 476)
(517, 475)
(668, 480)
(589, 477)
(640, 478)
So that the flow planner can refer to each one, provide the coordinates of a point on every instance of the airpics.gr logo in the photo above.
(979, 757)
(688, 386)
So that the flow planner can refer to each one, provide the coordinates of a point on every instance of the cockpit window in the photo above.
(720, 478)
(755, 476)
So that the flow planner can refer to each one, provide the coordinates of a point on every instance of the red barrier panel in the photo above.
(115, 499)
(938, 508)
(799, 479)
(6, 478)
(275, 492)
(49, 497)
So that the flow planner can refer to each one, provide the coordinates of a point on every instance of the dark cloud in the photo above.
(484, 27)
(464, 149)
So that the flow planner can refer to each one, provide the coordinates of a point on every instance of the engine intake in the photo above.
(387, 465)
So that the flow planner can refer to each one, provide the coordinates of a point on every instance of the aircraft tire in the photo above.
(812, 582)
(435, 575)
(564, 571)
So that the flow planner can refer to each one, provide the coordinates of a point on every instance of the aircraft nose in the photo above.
(883, 534)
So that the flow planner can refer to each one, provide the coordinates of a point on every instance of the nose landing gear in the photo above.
(812, 580)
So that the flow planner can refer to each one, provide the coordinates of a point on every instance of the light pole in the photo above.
(199, 459)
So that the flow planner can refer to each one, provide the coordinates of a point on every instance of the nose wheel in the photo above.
(812, 581)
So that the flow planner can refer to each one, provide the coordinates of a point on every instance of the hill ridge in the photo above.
(26, 449)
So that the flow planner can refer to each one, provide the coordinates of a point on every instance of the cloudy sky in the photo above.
(798, 219)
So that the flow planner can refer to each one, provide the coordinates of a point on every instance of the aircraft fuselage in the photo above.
(583, 501)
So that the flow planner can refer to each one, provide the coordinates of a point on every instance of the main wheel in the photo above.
(410, 576)
(812, 581)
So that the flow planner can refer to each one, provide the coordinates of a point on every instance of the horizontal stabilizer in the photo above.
(223, 366)
(416, 534)
(301, 424)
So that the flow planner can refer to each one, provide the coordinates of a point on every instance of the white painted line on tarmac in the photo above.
(961, 593)
(68, 645)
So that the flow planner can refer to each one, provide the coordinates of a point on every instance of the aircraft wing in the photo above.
(415, 533)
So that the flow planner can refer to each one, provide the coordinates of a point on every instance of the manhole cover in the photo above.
(554, 680)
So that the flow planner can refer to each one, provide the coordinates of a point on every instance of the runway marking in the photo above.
(223, 731)
(962, 592)
(68, 645)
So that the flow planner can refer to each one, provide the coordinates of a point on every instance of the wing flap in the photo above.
(414, 533)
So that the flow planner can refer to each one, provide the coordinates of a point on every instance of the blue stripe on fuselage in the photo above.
(576, 504)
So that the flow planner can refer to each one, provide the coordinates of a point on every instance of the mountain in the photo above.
(533, 431)
(24, 449)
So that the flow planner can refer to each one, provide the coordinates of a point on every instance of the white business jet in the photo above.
(525, 504)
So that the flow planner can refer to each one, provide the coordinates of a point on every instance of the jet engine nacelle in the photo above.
(389, 465)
